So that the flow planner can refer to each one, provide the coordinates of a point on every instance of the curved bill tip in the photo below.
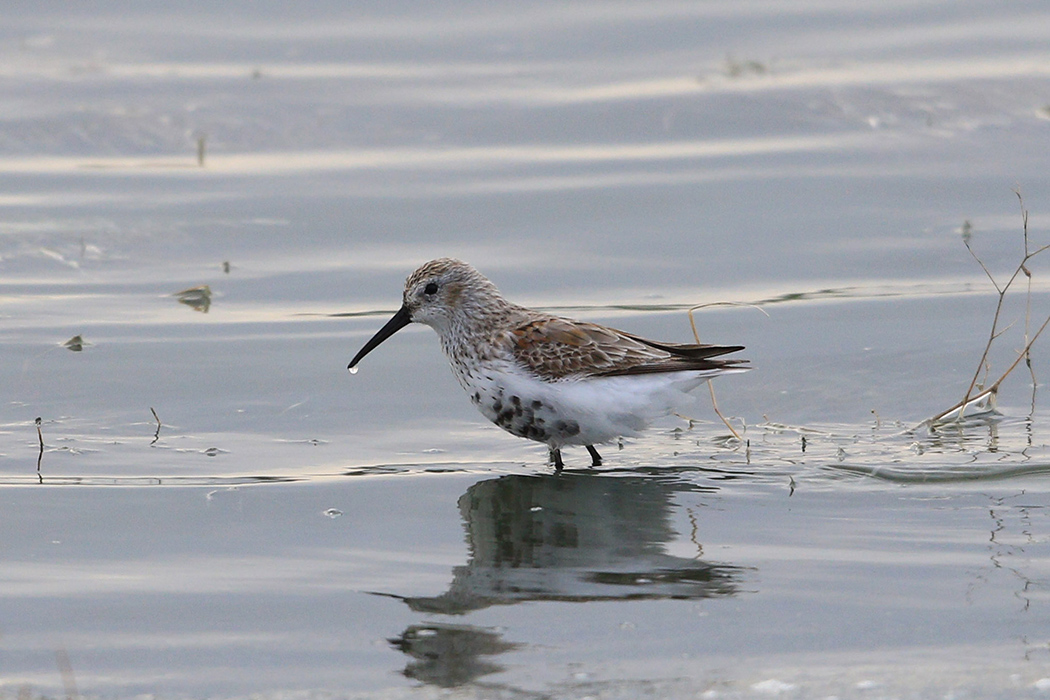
(398, 321)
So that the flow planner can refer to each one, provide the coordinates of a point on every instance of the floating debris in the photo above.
(202, 141)
(197, 298)
(226, 266)
(979, 407)
(333, 513)
(738, 69)
(76, 343)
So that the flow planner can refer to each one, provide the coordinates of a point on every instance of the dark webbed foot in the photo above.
(555, 459)
(596, 459)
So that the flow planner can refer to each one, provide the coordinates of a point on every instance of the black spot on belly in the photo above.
(520, 419)
(535, 432)
(537, 405)
(568, 428)
(476, 398)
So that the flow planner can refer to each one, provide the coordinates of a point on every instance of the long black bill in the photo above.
(401, 319)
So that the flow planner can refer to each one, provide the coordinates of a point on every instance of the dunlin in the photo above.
(547, 378)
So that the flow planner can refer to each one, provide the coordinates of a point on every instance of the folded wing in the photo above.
(556, 348)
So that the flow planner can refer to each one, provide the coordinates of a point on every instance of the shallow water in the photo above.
(220, 509)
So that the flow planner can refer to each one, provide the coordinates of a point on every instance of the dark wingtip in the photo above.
(686, 357)
(692, 351)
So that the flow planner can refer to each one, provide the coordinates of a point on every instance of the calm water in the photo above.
(220, 509)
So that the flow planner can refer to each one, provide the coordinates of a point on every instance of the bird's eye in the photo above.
(431, 288)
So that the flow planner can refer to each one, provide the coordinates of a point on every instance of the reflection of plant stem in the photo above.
(156, 435)
(39, 435)
(1004, 551)
(65, 669)
(693, 533)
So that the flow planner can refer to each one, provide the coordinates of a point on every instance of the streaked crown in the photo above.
(446, 292)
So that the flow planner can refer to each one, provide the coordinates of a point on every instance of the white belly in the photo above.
(574, 411)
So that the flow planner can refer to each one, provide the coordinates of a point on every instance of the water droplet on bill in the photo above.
(353, 370)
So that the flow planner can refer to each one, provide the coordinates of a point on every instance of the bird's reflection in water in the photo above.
(571, 537)
(449, 655)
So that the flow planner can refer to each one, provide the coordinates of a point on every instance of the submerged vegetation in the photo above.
(954, 428)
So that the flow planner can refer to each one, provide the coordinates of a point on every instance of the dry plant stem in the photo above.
(1028, 299)
(692, 319)
(968, 399)
(995, 332)
(714, 405)
(710, 386)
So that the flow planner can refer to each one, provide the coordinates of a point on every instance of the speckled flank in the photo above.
(533, 419)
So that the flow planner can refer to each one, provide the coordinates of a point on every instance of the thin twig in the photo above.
(1028, 299)
(984, 365)
(692, 320)
(1023, 354)
(714, 405)
(980, 262)
(991, 390)
(696, 335)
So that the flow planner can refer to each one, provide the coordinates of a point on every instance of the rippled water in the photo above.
(220, 204)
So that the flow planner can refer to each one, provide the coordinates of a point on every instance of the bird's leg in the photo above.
(555, 458)
(596, 459)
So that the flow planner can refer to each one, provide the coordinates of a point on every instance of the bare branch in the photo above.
(995, 331)
(983, 267)
(975, 392)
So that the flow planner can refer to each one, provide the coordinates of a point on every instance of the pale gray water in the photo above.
(295, 531)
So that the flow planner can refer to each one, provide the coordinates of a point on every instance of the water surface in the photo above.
(223, 204)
